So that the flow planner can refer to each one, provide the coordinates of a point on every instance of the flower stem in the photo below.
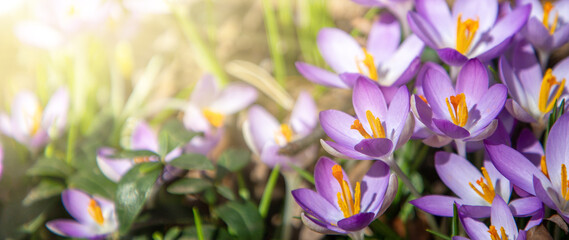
(393, 166)
(290, 184)
(460, 147)
(359, 235)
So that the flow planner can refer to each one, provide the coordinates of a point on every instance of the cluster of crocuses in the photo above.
(468, 109)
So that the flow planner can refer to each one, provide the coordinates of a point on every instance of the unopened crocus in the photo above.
(382, 60)
(475, 189)
(502, 224)
(472, 30)
(142, 138)
(465, 113)
(376, 131)
(547, 27)
(548, 181)
(209, 107)
(94, 216)
(533, 92)
(265, 136)
(33, 125)
(336, 208)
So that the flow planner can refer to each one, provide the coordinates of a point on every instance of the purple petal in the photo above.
(368, 96)
(374, 186)
(438, 14)
(561, 69)
(55, 113)
(528, 69)
(113, 169)
(484, 133)
(383, 38)
(536, 33)
(486, 11)
(561, 36)
(510, 79)
(356, 222)
(397, 114)
(437, 88)
(317, 226)
(457, 173)
(70, 228)
(530, 147)
(502, 186)
(518, 112)
(451, 57)
(535, 219)
(390, 194)
(304, 114)
(342, 151)
(450, 129)
(543, 189)
(489, 106)
(475, 211)
(421, 75)
(76, 202)
(194, 119)
(437, 141)
(143, 138)
(375, 147)
(326, 184)
(424, 113)
(523, 207)
(350, 78)
(476, 230)
(408, 73)
(339, 50)
(404, 63)
(234, 98)
(205, 91)
(502, 216)
(437, 205)
(262, 125)
(315, 205)
(424, 30)
(270, 156)
(472, 81)
(557, 149)
(320, 76)
(336, 125)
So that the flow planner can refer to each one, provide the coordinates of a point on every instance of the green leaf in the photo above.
(234, 159)
(438, 234)
(172, 135)
(134, 154)
(189, 186)
(94, 183)
(243, 220)
(382, 229)
(45, 189)
(267, 194)
(192, 161)
(303, 173)
(455, 223)
(225, 192)
(198, 221)
(173, 233)
(50, 167)
(132, 191)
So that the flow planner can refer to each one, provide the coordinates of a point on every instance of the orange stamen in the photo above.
(488, 192)
(547, 83)
(348, 204)
(459, 110)
(494, 234)
(465, 32)
(544, 167)
(547, 7)
(374, 123)
(423, 98)
(95, 212)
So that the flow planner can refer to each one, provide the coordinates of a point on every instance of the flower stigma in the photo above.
(369, 64)
(547, 7)
(465, 32)
(549, 80)
(494, 233)
(95, 212)
(214, 118)
(374, 123)
(459, 110)
(488, 192)
(349, 206)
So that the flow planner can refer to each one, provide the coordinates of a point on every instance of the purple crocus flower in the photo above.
(376, 131)
(547, 27)
(94, 216)
(33, 126)
(475, 190)
(143, 138)
(502, 224)
(265, 136)
(473, 30)
(465, 113)
(549, 181)
(208, 108)
(383, 60)
(337, 209)
(533, 93)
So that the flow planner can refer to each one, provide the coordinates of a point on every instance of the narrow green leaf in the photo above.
(234, 159)
(455, 223)
(132, 191)
(225, 192)
(173, 233)
(303, 173)
(50, 167)
(188, 186)
(267, 194)
(192, 161)
(445, 237)
(45, 189)
(198, 222)
(242, 219)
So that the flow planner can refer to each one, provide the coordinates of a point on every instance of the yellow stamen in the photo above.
(494, 234)
(465, 32)
(544, 167)
(547, 7)
(369, 64)
(564, 183)
(36, 120)
(548, 81)
(214, 118)
(287, 132)
(358, 126)
(95, 212)
(349, 206)
(488, 192)
(459, 110)
(374, 123)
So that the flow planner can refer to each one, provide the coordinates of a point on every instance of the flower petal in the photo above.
(374, 186)
(557, 149)
(315, 205)
(451, 56)
(383, 38)
(326, 184)
(336, 125)
(502, 216)
(437, 88)
(317, 226)
(55, 113)
(425, 30)
(70, 228)
(375, 147)
(113, 169)
(339, 50)
(472, 80)
(205, 91)
(457, 173)
(450, 129)
(437, 205)
(486, 11)
(262, 125)
(76, 202)
(438, 14)
(530, 147)
(304, 114)
(518, 112)
(403, 64)
(397, 114)
(523, 207)
(320, 76)
(356, 222)
(368, 96)
(342, 151)
(234, 98)
(486, 110)
(143, 138)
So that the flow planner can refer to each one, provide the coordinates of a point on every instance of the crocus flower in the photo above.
(548, 181)
(337, 209)
(502, 224)
(382, 60)
(465, 113)
(533, 93)
(208, 108)
(142, 138)
(476, 190)
(94, 216)
(265, 136)
(473, 30)
(376, 131)
(547, 27)
(32, 125)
